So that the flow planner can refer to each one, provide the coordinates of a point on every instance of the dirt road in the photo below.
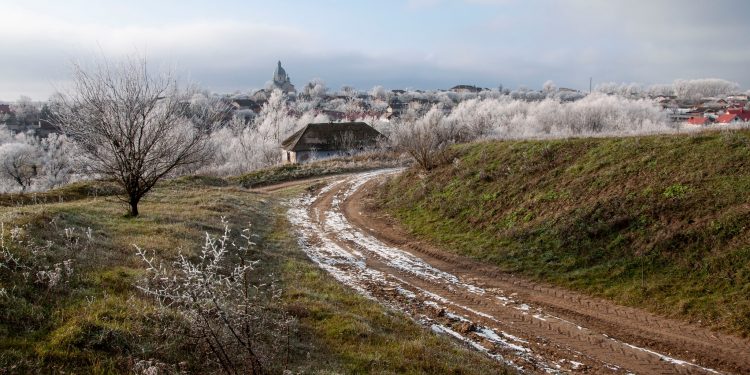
(534, 328)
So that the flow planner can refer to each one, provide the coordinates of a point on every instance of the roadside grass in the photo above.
(97, 321)
(658, 222)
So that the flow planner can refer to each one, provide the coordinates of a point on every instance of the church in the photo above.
(282, 81)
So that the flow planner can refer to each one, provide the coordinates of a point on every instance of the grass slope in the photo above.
(659, 222)
(96, 321)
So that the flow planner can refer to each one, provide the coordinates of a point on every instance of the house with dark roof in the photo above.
(325, 140)
(244, 103)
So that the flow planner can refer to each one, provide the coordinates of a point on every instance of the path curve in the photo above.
(532, 327)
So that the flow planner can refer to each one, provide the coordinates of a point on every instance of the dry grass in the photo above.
(98, 322)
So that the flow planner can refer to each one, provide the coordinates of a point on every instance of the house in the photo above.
(729, 118)
(742, 113)
(324, 140)
(698, 121)
(242, 104)
(5, 109)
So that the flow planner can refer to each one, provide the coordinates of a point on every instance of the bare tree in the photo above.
(25, 110)
(19, 162)
(427, 139)
(346, 142)
(134, 126)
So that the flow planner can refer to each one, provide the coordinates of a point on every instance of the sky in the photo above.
(233, 45)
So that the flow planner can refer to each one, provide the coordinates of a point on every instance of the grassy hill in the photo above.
(95, 319)
(659, 222)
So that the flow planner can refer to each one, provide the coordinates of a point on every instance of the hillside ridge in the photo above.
(657, 222)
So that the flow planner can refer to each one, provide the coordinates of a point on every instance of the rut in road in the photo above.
(531, 327)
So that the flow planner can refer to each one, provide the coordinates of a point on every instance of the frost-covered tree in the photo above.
(695, 89)
(660, 90)
(19, 162)
(58, 158)
(348, 91)
(428, 138)
(316, 88)
(33, 164)
(549, 88)
(379, 93)
(25, 110)
(133, 125)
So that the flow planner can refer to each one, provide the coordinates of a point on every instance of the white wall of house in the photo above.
(291, 157)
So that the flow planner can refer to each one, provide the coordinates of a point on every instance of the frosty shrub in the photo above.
(427, 139)
(230, 311)
(28, 163)
(27, 264)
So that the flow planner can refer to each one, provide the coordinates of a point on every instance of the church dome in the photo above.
(279, 75)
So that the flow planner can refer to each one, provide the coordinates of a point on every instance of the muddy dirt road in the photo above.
(534, 328)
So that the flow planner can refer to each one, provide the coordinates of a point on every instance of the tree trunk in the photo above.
(134, 206)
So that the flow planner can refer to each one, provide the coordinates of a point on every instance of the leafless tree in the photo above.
(19, 162)
(427, 139)
(346, 142)
(134, 126)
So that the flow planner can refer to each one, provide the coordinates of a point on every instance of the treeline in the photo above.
(244, 141)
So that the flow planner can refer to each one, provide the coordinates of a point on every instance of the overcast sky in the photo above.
(230, 45)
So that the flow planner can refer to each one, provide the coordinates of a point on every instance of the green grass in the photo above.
(97, 321)
(659, 222)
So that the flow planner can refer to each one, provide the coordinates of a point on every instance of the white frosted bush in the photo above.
(229, 309)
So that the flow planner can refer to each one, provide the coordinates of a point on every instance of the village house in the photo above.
(699, 120)
(325, 140)
(728, 119)
(245, 104)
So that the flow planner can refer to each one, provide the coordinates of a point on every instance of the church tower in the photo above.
(281, 80)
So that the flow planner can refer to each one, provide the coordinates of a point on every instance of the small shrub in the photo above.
(233, 314)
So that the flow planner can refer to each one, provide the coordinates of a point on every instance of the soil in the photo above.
(531, 326)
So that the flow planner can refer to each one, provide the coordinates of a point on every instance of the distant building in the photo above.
(465, 89)
(281, 80)
(325, 140)
(241, 104)
(742, 113)
(698, 121)
(729, 118)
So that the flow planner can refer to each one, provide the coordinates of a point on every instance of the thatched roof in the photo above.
(332, 137)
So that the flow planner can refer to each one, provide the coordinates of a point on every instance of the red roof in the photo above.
(740, 112)
(735, 111)
(725, 119)
(698, 120)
